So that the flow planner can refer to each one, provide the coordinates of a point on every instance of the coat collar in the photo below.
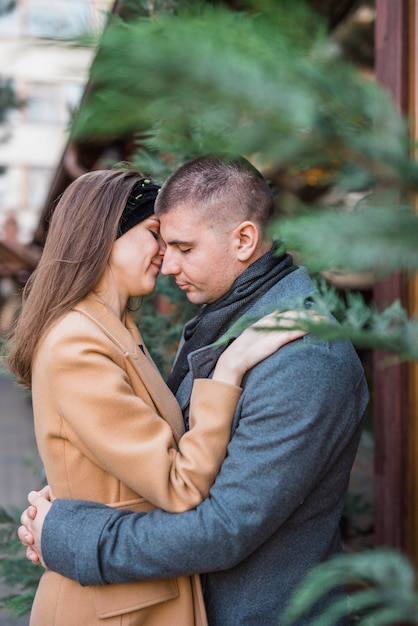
(126, 335)
(128, 338)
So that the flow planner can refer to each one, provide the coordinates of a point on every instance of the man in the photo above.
(275, 508)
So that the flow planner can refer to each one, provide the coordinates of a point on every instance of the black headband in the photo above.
(139, 206)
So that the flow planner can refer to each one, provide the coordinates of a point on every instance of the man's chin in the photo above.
(195, 298)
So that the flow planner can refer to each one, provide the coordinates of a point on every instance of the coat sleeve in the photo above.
(123, 433)
(293, 431)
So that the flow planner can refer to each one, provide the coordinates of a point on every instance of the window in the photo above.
(60, 19)
(53, 19)
(38, 182)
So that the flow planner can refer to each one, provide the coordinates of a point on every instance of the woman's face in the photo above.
(135, 259)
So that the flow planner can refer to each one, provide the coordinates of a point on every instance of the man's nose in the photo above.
(162, 247)
(169, 264)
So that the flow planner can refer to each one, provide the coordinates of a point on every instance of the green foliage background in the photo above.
(267, 82)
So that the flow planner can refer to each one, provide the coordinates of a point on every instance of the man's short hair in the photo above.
(226, 186)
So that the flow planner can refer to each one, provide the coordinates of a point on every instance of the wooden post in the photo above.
(412, 528)
(390, 384)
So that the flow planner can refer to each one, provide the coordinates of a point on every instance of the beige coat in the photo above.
(108, 430)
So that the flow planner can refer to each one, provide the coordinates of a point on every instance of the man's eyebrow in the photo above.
(178, 242)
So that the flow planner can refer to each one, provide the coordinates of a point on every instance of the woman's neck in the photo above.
(108, 293)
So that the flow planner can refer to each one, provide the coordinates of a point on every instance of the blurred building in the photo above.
(49, 78)
(48, 74)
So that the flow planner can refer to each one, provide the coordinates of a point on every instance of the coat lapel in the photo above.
(142, 367)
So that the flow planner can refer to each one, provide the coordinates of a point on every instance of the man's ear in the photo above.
(246, 238)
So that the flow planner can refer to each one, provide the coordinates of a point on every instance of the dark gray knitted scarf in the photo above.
(216, 318)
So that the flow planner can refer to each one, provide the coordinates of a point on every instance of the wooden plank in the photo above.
(413, 309)
(390, 384)
(390, 405)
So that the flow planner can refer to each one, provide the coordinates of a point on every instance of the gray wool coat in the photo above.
(275, 508)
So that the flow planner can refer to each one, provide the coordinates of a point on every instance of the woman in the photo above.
(107, 427)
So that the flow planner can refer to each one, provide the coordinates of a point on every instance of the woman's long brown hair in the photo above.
(78, 245)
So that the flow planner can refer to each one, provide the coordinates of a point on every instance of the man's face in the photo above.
(200, 254)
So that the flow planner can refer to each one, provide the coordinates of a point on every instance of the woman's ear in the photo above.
(247, 236)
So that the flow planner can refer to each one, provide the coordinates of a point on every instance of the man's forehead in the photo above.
(178, 227)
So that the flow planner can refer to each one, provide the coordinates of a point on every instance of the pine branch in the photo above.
(366, 327)
(16, 571)
(385, 583)
(377, 239)
(18, 605)
(263, 83)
